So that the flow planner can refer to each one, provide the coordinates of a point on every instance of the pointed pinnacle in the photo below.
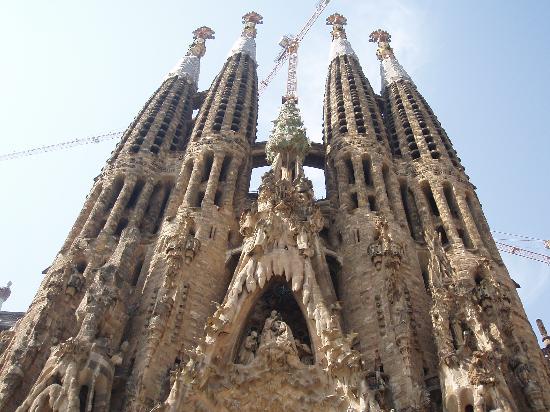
(380, 36)
(336, 19)
(204, 32)
(252, 17)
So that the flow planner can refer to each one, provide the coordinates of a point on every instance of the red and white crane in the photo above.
(290, 44)
(503, 244)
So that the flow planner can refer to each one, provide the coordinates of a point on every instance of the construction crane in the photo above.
(520, 251)
(60, 146)
(290, 44)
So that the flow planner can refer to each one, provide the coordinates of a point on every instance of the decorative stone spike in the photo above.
(246, 43)
(340, 45)
(189, 65)
(390, 68)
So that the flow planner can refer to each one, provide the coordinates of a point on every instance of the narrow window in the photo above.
(160, 215)
(81, 266)
(430, 198)
(207, 167)
(121, 226)
(117, 187)
(451, 201)
(349, 169)
(137, 271)
(387, 185)
(426, 280)
(367, 171)
(372, 204)
(135, 194)
(354, 201)
(218, 198)
(411, 212)
(224, 171)
(199, 199)
(83, 398)
(465, 238)
(334, 270)
(442, 235)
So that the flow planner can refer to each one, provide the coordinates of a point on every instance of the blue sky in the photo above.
(75, 69)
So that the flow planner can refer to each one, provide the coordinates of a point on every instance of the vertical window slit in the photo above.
(207, 167)
(367, 171)
(430, 198)
(350, 172)
(135, 194)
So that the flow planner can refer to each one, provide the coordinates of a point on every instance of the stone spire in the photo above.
(189, 65)
(390, 69)
(340, 45)
(246, 42)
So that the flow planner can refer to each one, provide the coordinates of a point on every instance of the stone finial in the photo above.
(337, 21)
(250, 20)
(200, 35)
(246, 43)
(390, 68)
(383, 38)
(340, 44)
(189, 65)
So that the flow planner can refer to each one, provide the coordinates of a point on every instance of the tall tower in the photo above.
(488, 356)
(178, 290)
(378, 277)
(79, 318)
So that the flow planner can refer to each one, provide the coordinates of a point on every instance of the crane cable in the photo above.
(522, 238)
(60, 146)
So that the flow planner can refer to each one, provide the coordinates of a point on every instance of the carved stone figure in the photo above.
(248, 348)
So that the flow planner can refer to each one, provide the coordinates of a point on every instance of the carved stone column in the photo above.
(380, 187)
(139, 211)
(447, 218)
(120, 204)
(97, 210)
(194, 180)
(360, 183)
(469, 221)
(213, 179)
(343, 185)
(229, 189)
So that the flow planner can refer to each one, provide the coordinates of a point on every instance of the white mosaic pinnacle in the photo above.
(246, 45)
(340, 47)
(189, 67)
(392, 71)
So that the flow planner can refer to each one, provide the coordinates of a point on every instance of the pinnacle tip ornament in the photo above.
(336, 19)
(204, 32)
(380, 36)
(253, 17)
(383, 39)
(200, 35)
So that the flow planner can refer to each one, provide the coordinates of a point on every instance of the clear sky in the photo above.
(74, 69)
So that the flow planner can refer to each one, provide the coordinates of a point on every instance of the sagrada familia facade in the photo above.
(178, 290)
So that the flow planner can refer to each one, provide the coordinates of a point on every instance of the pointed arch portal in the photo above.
(278, 296)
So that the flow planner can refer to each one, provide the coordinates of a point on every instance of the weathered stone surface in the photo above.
(177, 290)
